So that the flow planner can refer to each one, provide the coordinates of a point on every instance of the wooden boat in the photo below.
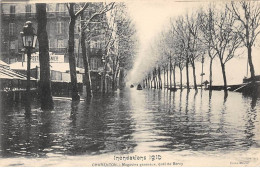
(139, 87)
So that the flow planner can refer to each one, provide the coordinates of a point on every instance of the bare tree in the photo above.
(196, 48)
(183, 35)
(226, 40)
(163, 47)
(72, 61)
(85, 40)
(166, 44)
(126, 41)
(179, 47)
(180, 62)
(207, 28)
(247, 13)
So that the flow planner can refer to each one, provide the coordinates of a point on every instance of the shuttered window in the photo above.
(60, 44)
(60, 27)
(28, 8)
(11, 28)
(12, 9)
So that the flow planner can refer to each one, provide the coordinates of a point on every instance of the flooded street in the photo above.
(132, 121)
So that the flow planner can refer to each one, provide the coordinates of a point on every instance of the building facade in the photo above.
(14, 16)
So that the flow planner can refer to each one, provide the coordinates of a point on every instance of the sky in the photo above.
(152, 16)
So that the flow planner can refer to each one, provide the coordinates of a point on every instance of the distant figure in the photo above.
(206, 84)
(139, 87)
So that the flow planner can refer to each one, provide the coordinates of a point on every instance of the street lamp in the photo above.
(29, 39)
(22, 51)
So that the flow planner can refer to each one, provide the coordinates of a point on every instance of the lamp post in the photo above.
(22, 51)
(29, 41)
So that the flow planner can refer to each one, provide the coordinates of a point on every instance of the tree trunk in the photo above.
(170, 75)
(159, 75)
(72, 61)
(113, 83)
(174, 77)
(116, 78)
(250, 62)
(44, 58)
(151, 81)
(148, 81)
(157, 79)
(194, 75)
(224, 76)
(121, 78)
(187, 73)
(85, 56)
(113, 75)
(154, 79)
(181, 78)
(164, 76)
(210, 74)
(104, 78)
(167, 75)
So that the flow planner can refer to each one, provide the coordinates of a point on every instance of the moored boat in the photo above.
(139, 87)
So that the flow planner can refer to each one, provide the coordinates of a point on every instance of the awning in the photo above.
(3, 64)
(22, 66)
(4, 76)
(61, 67)
(10, 74)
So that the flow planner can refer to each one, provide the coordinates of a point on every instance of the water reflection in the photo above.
(130, 121)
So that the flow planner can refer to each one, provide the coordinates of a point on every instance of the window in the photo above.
(50, 8)
(93, 64)
(60, 7)
(53, 43)
(60, 44)
(99, 44)
(12, 9)
(28, 8)
(92, 44)
(60, 27)
(95, 44)
(12, 45)
(11, 28)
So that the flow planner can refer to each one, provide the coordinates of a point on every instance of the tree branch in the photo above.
(104, 10)
(82, 9)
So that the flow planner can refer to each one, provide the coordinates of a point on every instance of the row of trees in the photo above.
(211, 32)
(122, 34)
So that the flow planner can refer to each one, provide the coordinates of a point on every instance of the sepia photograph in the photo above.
(130, 83)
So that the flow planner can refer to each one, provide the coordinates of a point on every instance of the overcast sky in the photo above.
(151, 17)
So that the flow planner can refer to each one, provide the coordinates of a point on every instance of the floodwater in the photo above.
(133, 121)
